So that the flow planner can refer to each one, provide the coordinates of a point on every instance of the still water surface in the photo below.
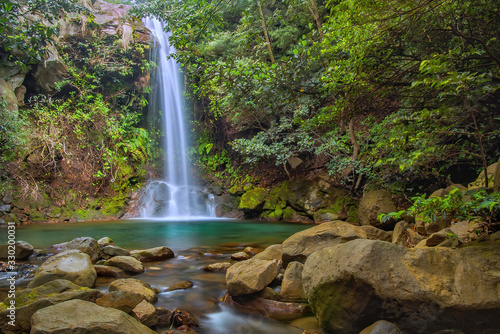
(196, 243)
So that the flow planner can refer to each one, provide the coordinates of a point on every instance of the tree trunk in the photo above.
(268, 42)
(314, 11)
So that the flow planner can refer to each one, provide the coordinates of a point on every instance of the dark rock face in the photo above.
(352, 285)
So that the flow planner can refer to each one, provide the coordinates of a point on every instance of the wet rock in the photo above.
(273, 252)
(72, 265)
(362, 281)
(273, 309)
(153, 254)
(111, 250)
(219, 266)
(124, 301)
(250, 276)
(302, 244)
(374, 203)
(291, 287)
(252, 251)
(240, 256)
(145, 313)
(184, 318)
(381, 327)
(76, 316)
(127, 263)
(135, 286)
(23, 250)
(85, 245)
(164, 317)
(180, 286)
(109, 271)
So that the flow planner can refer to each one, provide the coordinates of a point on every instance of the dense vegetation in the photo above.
(388, 91)
(74, 142)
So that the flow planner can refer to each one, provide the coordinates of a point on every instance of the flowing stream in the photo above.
(196, 244)
(175, 197)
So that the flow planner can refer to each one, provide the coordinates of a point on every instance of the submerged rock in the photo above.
(250, 276)
(180, 286)
(420, 290)
(72, 265)
(81, 317)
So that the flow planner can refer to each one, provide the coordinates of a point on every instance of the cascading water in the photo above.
(175, 197)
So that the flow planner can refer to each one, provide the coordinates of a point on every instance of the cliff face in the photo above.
(71, 147)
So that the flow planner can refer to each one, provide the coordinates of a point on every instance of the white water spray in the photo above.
(176, 197)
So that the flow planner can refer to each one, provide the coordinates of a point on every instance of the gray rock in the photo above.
(109, 271)
(112, 250)
(85, 245)
(23, 250)
(127, 263)
(420, 290)
(72, 265)
(153, 254)
(250, 276)
(6, 208)
(81, 317)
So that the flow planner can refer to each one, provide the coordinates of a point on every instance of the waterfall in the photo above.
(175, 197)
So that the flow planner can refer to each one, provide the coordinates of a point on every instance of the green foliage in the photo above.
(26, 27)
(459, 205)
(12, 134)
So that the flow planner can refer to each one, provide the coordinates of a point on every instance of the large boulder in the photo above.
(420, 290)
(302, 244)
(135, 286)
(72, 265)
(22, 250)
(479, 183)
(250, 276)
(29, 301)
(253, 199)
(85, 245)
(374, 203)
(81, 317)
(153, 254)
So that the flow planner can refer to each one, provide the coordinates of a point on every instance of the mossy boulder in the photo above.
(373, 204)
(426, 290)
(253, 199)
(76, 316)
(31, 300)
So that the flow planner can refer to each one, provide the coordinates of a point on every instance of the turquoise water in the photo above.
(177, 235)
(196, 244)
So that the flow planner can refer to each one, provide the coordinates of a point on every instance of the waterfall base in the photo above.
(160, 199)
